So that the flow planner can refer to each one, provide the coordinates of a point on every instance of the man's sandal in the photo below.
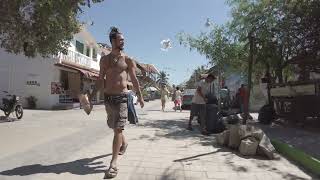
(123, 149)
(112, 172)
(189, 128)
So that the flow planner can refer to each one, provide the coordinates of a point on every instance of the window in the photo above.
(94, 54)
(88, 51)
(79, 47)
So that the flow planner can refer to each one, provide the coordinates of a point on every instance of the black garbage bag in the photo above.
(214, 120)
(266, 114)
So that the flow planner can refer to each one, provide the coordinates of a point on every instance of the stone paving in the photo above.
(160, 148)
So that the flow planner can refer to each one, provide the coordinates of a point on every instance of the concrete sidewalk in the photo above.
(161, 148)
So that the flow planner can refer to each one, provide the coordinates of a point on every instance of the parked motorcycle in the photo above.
(11, 104)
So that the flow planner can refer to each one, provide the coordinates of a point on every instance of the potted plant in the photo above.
(32, 102)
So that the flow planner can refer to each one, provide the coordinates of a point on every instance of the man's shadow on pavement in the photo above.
(79, 167)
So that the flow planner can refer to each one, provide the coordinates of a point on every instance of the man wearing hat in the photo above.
(204, 94)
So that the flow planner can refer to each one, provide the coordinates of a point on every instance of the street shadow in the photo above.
(176, 129)
(307, 141)
(4, 119)
(232, 160)
(170, 173)
(190, 158)
(153, 110)
(79, 167)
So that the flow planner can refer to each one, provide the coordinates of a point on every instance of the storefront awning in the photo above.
(150, 68)
(85, 72)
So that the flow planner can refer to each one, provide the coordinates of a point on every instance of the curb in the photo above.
(297, 155)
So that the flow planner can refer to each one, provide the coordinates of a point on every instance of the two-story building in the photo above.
(148, 75)
(56, 81)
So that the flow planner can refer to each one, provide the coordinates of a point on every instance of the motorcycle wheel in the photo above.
(6, 113)
(19, 111)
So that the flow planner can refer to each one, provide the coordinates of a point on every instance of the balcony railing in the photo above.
(75, 57)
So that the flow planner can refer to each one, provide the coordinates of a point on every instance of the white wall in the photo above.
(16, 70)
(20, 69)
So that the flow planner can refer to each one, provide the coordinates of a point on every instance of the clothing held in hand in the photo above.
(85, 103)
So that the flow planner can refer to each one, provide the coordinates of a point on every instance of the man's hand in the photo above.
(90, 96)
(206, 100)
(141, 101)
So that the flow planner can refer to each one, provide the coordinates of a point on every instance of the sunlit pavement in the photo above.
(71, 145)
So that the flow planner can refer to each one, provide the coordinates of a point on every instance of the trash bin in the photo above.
(211, 117)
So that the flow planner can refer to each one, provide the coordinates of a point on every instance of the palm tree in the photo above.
(162, 78)
(195, 77)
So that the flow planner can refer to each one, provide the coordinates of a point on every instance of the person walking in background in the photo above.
(132, 115)
(173, 95)
(177, 100)
(237, 103)
(242, 94)
(164, 96)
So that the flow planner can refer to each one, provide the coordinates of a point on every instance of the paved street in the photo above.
(58, 145)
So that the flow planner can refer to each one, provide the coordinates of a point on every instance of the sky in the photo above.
(145, 23)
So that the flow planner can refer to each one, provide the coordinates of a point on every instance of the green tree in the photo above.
(277, 33)
(216, 45)
(42, 27)
(281, 31)
(263, 37)
(219, 48)
(191, 82)
(162, 78)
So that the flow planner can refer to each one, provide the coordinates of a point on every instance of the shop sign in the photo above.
(33, 83)
(56, 88)
(33, 80)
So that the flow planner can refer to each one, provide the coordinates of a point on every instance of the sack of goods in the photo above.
(85, 103)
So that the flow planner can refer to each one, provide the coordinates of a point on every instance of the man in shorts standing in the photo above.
(113, 79)
(198, 106)
(199, 101)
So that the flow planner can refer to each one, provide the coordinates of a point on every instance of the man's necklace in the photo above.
(116, 59)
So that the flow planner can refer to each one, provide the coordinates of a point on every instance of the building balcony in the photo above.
(75, 58)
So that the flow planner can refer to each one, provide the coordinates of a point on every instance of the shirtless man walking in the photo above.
(114, 70)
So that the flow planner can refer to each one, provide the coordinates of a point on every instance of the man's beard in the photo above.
(121, 48)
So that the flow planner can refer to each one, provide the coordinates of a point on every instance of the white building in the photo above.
(56, 81)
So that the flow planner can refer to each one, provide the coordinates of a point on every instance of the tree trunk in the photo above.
(250, 63)
(304, 75)
(279, 74)
(268, 76)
